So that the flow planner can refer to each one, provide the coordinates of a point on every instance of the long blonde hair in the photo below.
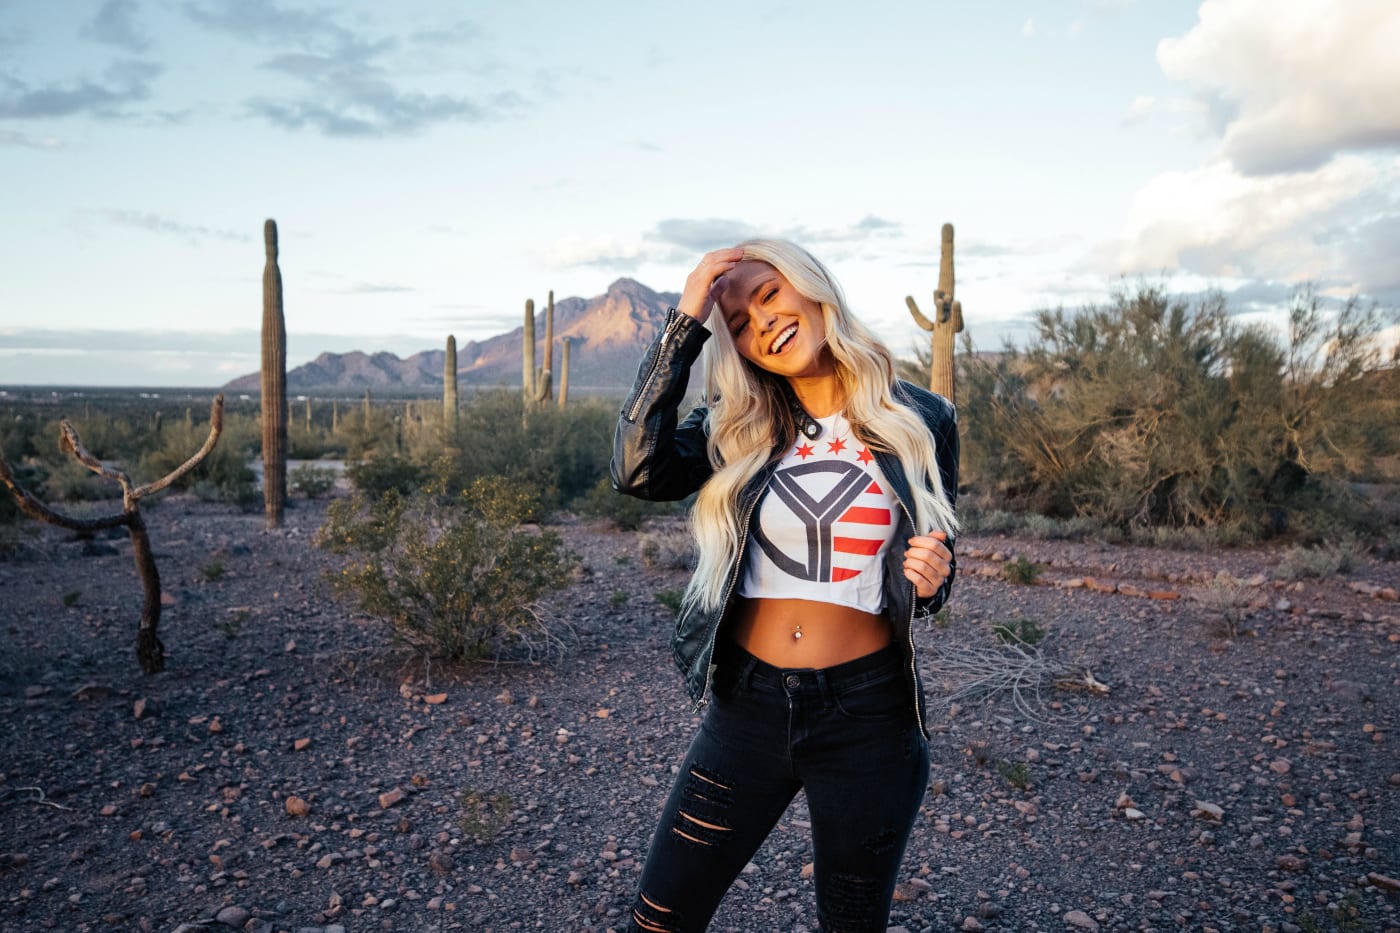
(750, 420)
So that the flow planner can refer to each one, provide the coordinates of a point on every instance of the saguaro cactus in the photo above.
(564, 374)
(544, 387)
(150, 652)
(947, 322)
(449, 383)
(528, 340)
(274, 384)
(367, 406)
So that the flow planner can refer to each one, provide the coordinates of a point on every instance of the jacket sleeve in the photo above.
(654, 457)
(945, 436)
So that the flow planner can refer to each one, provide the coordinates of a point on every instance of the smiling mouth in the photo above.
(783, 339)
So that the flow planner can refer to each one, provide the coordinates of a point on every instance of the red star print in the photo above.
(805, 451)
(864, 456)
(836, 446)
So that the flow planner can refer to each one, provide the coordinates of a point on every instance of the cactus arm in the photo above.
(216, 427)
(36, 510)
(72, 444)
(919, 318)
(957, 317)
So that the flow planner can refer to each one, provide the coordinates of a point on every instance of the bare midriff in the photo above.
(830, 634)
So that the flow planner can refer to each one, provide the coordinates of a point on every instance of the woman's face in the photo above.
(773, 326)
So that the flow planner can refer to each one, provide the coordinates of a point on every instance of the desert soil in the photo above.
(292, 771)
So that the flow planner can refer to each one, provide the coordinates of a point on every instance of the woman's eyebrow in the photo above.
(765, 280)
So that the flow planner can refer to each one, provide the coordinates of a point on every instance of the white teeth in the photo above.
(783, 338)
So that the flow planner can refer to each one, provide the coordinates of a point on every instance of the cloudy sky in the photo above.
(433, 164)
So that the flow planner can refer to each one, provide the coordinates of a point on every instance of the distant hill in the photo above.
(608, 333)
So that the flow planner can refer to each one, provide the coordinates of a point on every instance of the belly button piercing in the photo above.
(797, 633)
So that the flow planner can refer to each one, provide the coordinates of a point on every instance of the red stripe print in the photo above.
(865, 516)
(865, 546)
(843, 573)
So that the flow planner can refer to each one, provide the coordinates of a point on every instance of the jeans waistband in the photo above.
(884, 664)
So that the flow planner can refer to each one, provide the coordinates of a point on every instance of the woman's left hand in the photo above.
(927, 562)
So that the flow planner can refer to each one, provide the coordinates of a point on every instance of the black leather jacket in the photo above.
(655, 457)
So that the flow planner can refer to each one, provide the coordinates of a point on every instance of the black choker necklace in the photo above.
(806, 424)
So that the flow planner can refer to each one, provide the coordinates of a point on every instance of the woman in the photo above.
(823, 520)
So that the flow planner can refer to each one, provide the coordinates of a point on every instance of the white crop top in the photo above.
(824, 524)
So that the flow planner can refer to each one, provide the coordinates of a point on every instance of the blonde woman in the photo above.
(824, 523)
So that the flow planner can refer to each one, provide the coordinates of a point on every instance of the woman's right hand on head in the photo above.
(699, 294)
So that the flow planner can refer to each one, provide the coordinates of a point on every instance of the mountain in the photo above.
(609, 334)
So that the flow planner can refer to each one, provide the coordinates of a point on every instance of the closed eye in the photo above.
(738, 326)
(770, 294)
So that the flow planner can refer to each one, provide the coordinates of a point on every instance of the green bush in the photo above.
(311, 481)
(1021, 570)
(1320, 562)
(671, 599)
(1153, 411)
(1020, 631)
(460, 581)
(380, 475)
(222, 476)
(625, 512)
(561, 453)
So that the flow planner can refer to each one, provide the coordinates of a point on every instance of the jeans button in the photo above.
(792, 680)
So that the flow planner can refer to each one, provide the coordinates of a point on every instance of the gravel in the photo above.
(292, 770)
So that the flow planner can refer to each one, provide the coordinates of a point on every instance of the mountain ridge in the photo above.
(609, 335)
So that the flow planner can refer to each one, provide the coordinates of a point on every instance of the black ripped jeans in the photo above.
(846, 735)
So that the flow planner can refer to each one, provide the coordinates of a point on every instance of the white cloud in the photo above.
(1028, 27)
(1140, 108)
(1290, 85)
(1320, 225)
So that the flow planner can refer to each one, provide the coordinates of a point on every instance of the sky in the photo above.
(432, 164)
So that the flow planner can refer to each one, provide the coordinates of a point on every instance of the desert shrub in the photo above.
(1230, 601)
(459, 581)
(1153, 411)
(667, 550)
(1320, 562)
(988, 521)
(1075, 528)
(222, 476)
(560, 453)
(1019, 631)
(1021, 570)
(311, 481)
(70, 481)
(626, 512)
(375, 477)
(671, 599)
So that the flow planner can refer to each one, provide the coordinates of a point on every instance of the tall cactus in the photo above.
(274, 384)
(948, 321)
(335, 416)
(564, 374)
(367, 407)
(544, 387)
(308, 414)
(528, 340)
(449, 383)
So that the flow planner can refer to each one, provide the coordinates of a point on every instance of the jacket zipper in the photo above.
(724, 603)
(913, 662)
(671, 318)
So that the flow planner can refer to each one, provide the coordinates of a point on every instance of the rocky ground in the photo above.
(291, 771)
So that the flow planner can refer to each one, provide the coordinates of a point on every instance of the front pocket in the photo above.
(880, 701)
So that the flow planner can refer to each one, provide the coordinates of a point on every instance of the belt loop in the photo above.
(824, 685)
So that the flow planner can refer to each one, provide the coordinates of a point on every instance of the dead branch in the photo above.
(150, 652)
